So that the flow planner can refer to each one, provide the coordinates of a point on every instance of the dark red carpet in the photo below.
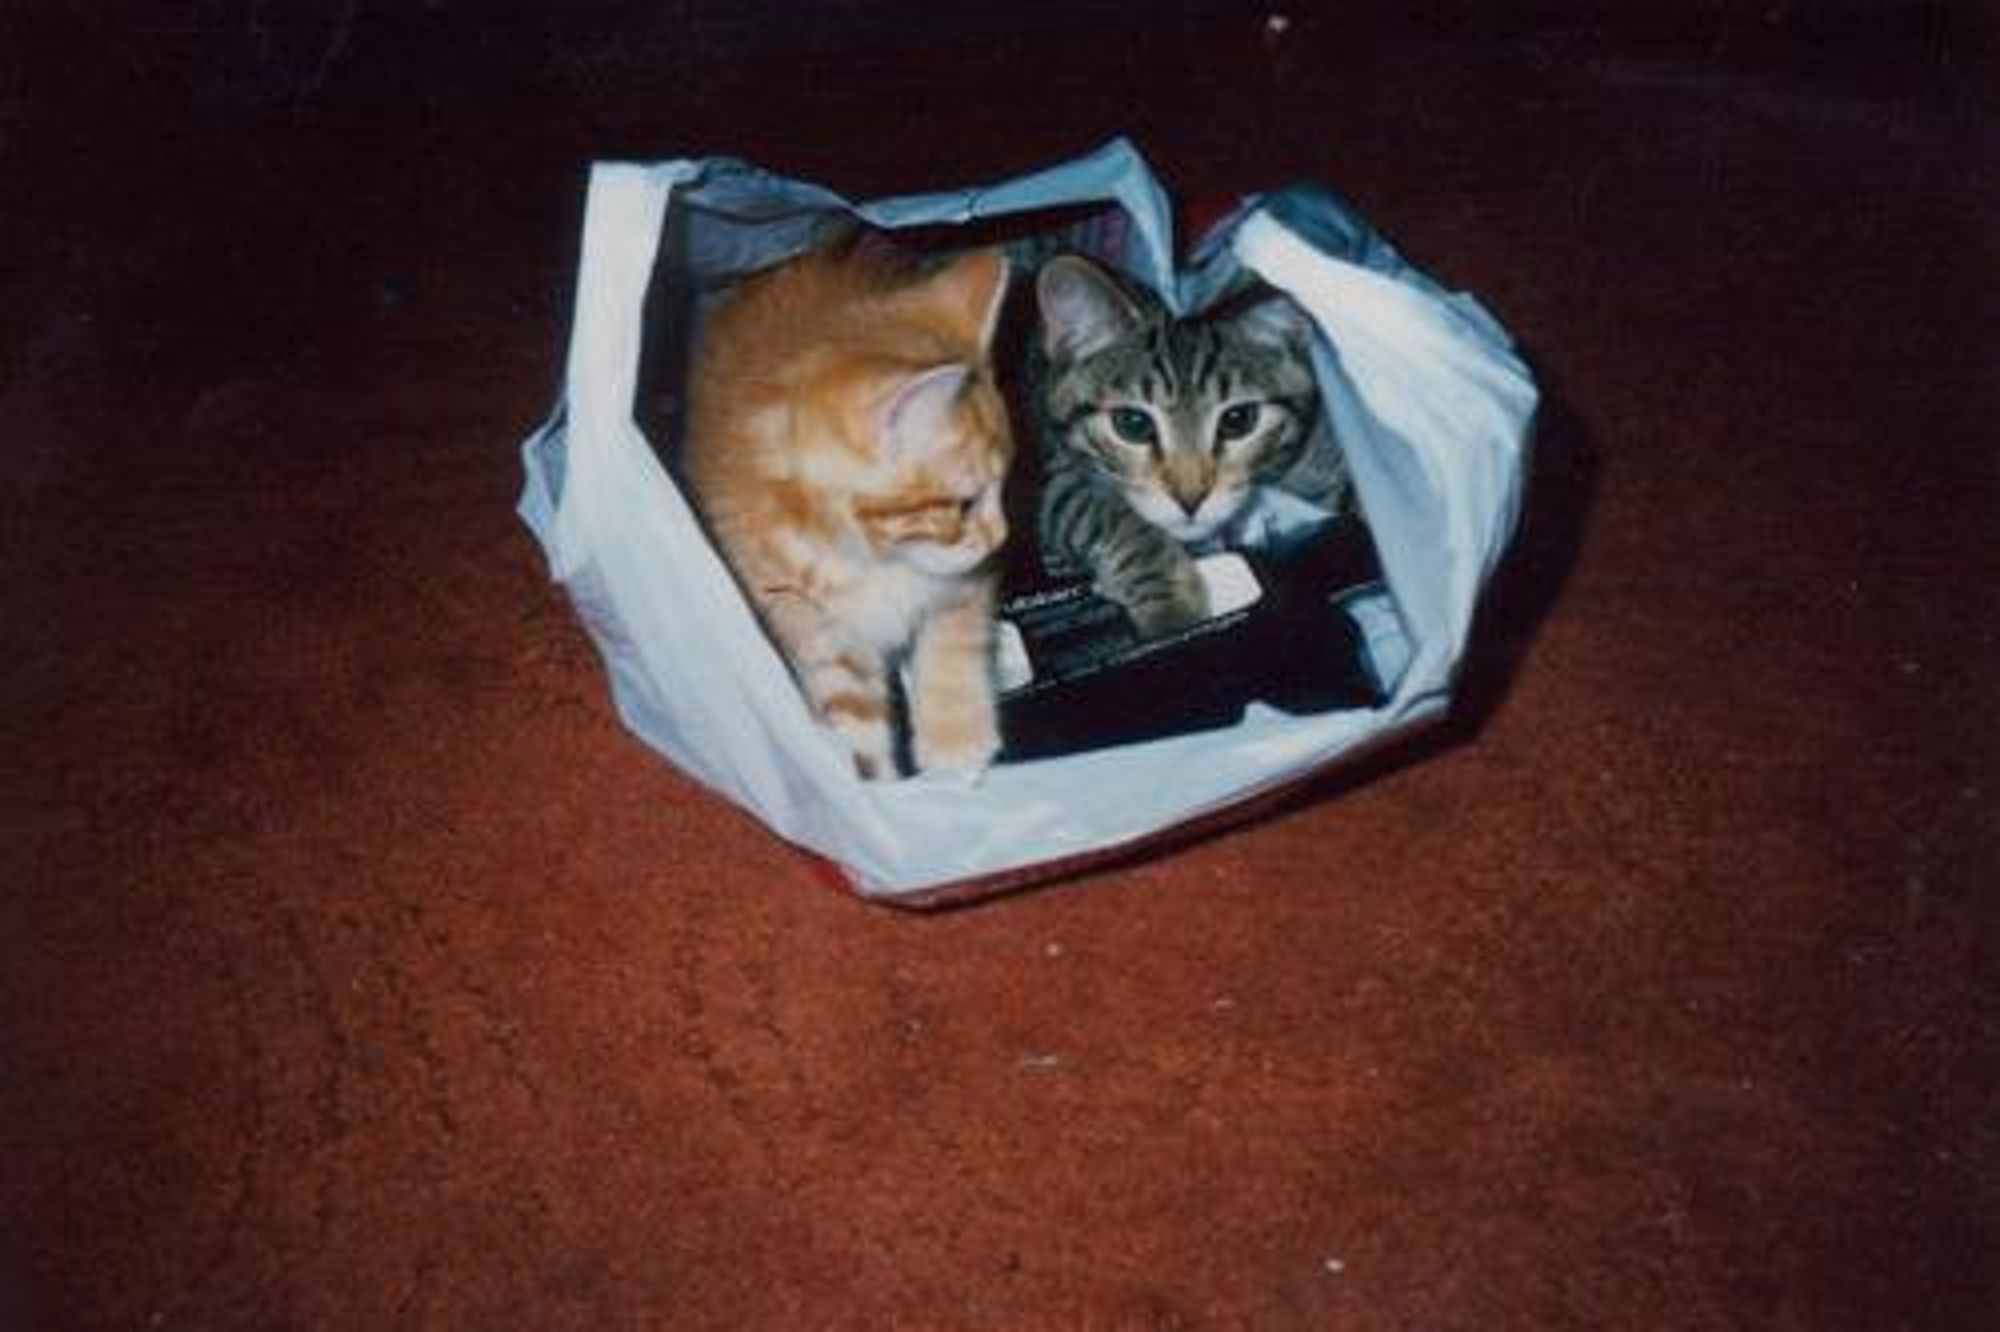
(358, 971)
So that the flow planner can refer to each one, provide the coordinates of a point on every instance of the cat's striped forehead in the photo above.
(1178, 363)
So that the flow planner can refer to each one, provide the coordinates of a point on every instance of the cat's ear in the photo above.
(1276, 321)
(1083, 308)
(921, 410)
(974, 287)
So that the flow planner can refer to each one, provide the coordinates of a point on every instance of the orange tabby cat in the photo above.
(846, 445)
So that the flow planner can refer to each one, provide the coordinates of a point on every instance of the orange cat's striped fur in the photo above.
(846, 447)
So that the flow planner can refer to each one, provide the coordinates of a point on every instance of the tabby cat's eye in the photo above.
(1132, 425)
(1236, 421)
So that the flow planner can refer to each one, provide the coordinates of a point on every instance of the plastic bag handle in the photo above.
(624, 214)
(1113, 173)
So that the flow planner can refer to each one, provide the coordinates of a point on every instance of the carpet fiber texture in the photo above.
(357, 970)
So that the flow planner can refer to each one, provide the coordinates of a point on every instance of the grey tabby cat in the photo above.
(1157, 432)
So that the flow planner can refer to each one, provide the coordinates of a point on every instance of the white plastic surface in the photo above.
(1426, 394)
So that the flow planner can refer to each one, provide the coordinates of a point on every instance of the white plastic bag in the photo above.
(1425, 394)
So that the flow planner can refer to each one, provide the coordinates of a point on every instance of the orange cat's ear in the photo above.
(974, 287)
(920, 411)
(1082, 307)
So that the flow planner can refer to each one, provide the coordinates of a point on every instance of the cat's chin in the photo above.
(1208, 521)
(1190, 531)
(944, 561)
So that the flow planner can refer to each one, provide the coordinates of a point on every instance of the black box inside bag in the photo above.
(1299, 616)
(1305, 627)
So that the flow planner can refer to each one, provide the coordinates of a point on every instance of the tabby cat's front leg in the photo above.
(954, 724)
(1154, 579)
(1130, 561)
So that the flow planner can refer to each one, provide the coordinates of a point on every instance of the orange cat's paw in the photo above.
(869, 743)
(968, 746)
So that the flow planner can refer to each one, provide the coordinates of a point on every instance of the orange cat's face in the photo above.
(934, 502)
(846, 417)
